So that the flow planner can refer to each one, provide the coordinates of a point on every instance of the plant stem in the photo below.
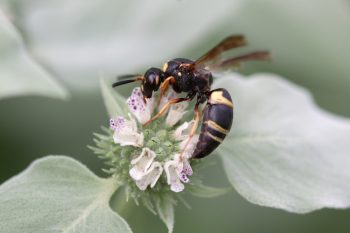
(120, 204)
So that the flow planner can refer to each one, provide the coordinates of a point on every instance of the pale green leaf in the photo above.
(19, 73)
(284, 151)
(58, 194)
(114, 37)
(165, 210)
(308, 41)
(114, 102)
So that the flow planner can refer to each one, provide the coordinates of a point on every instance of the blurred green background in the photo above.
(309, 42)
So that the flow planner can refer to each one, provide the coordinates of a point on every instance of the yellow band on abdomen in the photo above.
(215, 126)
(214, 137)
(217, 97)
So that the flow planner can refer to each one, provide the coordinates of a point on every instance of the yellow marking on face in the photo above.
(141, 87)
(214, 137)
(157, 80)
(165, 66)
(217, 127)
(217, 97)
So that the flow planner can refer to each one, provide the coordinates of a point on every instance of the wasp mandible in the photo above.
(195, 79)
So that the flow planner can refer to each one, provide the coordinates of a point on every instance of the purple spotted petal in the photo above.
(141, 110)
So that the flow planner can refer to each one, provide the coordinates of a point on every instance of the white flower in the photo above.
(176, 112)
(125, 132)
(142, 163)
(150, 177)
(182, 132)
(146, 167)
(145, 172)
(190, 146)
(187, 145)
(177, 172)
(168, 95)
(141, 110)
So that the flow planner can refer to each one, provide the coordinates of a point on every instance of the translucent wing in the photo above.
(228, 43)
(211, 60)
(235, 61)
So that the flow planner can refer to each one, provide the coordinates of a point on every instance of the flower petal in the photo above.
(177, 171)
(191, 146)
(176, 112)
(125, 132)
(187, 169)
(168, 95)
(172, 169)
(142, 163)
(182, 132)
(150, 177)
(141, 110)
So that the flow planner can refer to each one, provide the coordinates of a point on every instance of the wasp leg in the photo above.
(165, 108)
(164, 86)
(193, 130)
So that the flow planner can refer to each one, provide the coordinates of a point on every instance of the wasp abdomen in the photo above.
(217, 122)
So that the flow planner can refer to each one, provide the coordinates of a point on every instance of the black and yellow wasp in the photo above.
(195, 78)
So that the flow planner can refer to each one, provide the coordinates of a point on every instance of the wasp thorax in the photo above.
(151, 82)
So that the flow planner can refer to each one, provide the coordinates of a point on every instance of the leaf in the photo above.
(19, 73)
(165, 210)
(114, 102)
(58, 194)
(283, 151)
(309, 48)
(204, 191)
(99, 35)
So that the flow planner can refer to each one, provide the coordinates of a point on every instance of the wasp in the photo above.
(195, 79)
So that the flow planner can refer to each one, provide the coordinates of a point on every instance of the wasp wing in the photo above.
(235, 62)
(231, 42)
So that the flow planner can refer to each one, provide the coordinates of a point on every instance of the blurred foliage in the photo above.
(309, 43)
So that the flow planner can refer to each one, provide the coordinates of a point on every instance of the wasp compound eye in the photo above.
(151, 82)
(146, 91)
(153, 78)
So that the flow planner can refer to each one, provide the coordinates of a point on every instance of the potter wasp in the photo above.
(195, 79)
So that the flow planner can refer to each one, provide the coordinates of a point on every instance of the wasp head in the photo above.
(151, 81)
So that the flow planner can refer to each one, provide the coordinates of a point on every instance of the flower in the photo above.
(150, 177)
(177, 172)
(125, 132)
(153, 162)
(142, 163)
(141, 110)
(176, 112)
(156, 149)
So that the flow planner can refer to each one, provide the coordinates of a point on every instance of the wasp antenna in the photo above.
(125, 76)
(122, 82)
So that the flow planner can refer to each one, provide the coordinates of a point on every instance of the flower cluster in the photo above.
(156, 150)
